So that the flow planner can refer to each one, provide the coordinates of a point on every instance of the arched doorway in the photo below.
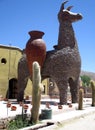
(12, 89)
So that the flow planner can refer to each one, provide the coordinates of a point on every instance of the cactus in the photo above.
(80, 103)
(36, 93)
(93, 92)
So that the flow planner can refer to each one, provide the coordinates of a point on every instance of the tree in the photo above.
(85, 80)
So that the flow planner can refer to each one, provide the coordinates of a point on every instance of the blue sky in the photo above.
(18, 17)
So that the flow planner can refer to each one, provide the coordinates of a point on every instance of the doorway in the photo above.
(12, 89)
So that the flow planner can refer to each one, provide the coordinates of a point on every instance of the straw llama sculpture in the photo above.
(63, 64)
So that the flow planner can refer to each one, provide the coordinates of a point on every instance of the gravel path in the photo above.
(83, 123)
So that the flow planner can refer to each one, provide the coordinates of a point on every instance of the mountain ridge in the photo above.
(90, 74)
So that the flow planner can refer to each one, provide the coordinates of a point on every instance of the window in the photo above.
(3, 61)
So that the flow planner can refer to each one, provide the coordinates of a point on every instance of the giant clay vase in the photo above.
(35, 49)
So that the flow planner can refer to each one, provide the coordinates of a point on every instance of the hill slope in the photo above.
(90, 74)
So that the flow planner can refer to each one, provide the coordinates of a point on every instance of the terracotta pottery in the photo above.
(5, 99)
(70, 105)
(8, 104)
(25, 106)
(27, 97)
(60, 107)
(47, 105)
(21, 103)
(35, 49)
(13, 108)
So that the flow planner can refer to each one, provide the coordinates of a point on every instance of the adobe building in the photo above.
(9, 57)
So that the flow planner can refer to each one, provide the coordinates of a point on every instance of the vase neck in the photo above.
(36, 34)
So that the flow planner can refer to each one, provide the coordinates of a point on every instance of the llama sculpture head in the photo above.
(66, 36)
(65, 15)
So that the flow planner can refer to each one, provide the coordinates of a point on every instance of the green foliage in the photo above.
(85, 80)
(18, 123)
(12, 125)
(80, 103)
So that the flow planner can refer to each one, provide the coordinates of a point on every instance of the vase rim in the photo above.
(36, 32)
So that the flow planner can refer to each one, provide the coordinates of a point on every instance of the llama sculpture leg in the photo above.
(20, 96)
(23, 75)
(62, 85)
(74, 89)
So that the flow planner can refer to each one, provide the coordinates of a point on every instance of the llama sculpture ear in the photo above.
(69, 8)
(62, 6)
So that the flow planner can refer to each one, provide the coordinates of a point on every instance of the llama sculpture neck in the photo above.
(66, 35)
